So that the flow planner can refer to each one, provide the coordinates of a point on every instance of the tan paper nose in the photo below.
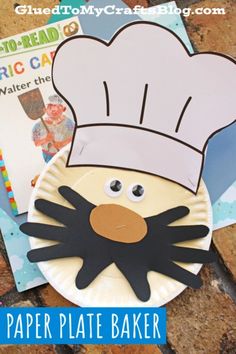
(118, 223)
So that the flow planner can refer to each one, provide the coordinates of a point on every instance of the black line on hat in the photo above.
(182, 114)
(143, 104)
(140, 128)
(107, 98)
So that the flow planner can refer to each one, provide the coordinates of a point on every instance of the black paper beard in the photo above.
(156, 251)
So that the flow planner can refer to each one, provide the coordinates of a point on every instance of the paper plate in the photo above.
(111, 288)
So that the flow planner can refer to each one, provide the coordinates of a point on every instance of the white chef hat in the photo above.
(55, 99)
(143, 103)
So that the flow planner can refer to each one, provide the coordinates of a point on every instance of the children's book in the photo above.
(35, 122)
(224, 209)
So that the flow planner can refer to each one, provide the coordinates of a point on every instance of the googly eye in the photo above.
(113, 187)
(136, 192)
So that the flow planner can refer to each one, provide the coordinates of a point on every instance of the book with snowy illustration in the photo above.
(35, 122)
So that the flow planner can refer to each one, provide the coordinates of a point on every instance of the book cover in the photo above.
(31, 108)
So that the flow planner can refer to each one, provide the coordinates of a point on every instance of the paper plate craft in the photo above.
(123, 218)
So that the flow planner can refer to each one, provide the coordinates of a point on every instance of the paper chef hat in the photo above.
(142, 102)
